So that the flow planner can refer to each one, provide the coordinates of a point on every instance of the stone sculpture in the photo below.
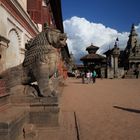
(40, 63)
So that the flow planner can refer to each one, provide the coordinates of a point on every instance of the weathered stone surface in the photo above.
(45, 118)
(40, 63)
(30, 101)
(33, 88)
(45, 113)
(11, 122)
(30, 132)
(4, 99)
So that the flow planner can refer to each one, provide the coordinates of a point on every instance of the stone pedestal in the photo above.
(43, 111)
(12, 120)
(43, 115)
(18, 110)
(4, 99)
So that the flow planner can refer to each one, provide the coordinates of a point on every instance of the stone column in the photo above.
(116, 53)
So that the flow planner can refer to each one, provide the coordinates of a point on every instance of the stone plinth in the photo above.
(45, 113)
(29, 100)
(18, 110)
(130, 74)
(4, 99)
(11, 122)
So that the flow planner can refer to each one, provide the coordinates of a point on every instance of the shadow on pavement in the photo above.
(127, 109)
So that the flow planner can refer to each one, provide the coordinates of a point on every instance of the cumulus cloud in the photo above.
(138, 31)
(81, 33)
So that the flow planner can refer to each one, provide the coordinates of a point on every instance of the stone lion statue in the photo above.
(40, 63)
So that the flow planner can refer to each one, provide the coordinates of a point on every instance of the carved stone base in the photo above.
(11, 122)
(44, 115)
(42, 112)
(25, 109)
(4, 99)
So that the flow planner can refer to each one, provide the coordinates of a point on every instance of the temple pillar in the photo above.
(116, 53)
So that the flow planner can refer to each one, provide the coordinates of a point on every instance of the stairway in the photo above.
(130, 74)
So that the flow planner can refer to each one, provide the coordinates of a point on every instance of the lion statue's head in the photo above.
(56, 38)
(42, 44)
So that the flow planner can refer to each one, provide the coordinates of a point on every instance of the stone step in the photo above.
(65, 131)
(44, 115)
(4, 99)
(33, 101)
(30, 132)
(130, 74)
(11, 122)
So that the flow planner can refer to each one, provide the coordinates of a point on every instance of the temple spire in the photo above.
(133, 31)
(132, 39)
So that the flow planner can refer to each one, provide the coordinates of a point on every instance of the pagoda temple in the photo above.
(93, 61)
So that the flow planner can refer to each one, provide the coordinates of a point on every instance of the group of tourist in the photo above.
(90, 76)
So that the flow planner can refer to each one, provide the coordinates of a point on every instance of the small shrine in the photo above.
(93, 61)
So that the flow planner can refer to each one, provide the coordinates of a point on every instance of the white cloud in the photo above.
(138, 31)
(81, 33)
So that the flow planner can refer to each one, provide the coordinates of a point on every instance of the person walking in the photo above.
(83, 76)
(88, 75)
(137, 73)
(94, 74)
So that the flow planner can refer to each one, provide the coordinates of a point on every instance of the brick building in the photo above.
(22, 20)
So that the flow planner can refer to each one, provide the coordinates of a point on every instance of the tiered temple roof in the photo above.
(92, 54)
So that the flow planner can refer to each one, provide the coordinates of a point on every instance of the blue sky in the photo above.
(85, 21)
(117, 14)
